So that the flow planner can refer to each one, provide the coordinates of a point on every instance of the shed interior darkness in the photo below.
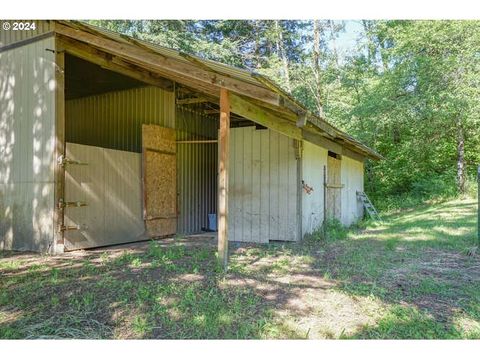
(83, 78)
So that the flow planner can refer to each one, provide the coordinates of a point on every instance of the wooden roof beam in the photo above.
(194, 100)
(138, 55)
(109, 62)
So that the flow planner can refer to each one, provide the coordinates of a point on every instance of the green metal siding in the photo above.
(113, 120)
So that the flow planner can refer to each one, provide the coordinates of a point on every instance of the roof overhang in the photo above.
(253, 96)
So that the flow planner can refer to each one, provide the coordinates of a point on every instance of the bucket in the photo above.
(212, 222)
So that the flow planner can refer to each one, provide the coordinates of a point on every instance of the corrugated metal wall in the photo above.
(111, 187)
(11, 36)
(113, 120)
(196, 169)
(27, 121)
(352, 178)
(262, 201)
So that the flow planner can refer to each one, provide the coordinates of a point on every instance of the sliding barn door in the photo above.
(334, 188)
(159, 180)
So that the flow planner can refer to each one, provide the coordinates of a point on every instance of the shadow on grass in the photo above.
(175, 290)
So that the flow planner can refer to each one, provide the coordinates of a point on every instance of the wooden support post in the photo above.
(59, 172)
(223, 155)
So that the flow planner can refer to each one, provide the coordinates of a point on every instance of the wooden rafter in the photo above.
(140, 55)
(109, 62)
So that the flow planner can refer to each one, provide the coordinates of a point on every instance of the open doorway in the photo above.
(112, 193)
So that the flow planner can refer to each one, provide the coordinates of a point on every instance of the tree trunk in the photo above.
(334, 43)
(460, 157)
(283, 55)
(317, 71)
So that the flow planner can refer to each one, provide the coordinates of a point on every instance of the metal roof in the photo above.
(240, 74)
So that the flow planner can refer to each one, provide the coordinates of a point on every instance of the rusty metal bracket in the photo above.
(64, 204)
(63, 161)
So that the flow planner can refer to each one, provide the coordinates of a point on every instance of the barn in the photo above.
(105, 139)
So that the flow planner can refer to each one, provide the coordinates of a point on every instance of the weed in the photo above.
(141, 326)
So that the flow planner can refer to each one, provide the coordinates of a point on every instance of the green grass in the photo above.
(407, 278)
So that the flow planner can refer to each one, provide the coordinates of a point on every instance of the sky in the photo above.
(346, 42)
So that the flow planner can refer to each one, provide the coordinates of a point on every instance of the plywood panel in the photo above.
(159, 179)
(262, 185)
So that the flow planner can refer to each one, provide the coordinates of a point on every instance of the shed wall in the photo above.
(262, 201)
(352, 178)
(27, 138)
(11, 36)
(314, 159)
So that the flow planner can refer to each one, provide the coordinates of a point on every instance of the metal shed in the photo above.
(105, 139)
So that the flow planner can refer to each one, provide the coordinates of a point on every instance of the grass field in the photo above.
(410, 277)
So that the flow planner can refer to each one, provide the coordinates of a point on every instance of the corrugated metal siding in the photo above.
(352, 178)
(27, 122)
(314, 159)
(11, 36)
(196, 170)
(262, 201)
(113, 120)
(111, 186)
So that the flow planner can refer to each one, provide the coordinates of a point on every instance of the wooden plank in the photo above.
(299, 188)
(284, 221)
(144, 56)
(333, 186)
(197, 142)
(256, 187)
(274, 184)
(247, 184)
(59, 171)
(195, 100)
(232, 183)
(322, 141)
(263, 116)
(264, 185)
(223, 167)
(354, 155)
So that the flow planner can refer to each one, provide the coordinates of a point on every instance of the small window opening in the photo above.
(334, 155)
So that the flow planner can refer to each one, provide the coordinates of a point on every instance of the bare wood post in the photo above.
(223, 155)
(59, 172)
